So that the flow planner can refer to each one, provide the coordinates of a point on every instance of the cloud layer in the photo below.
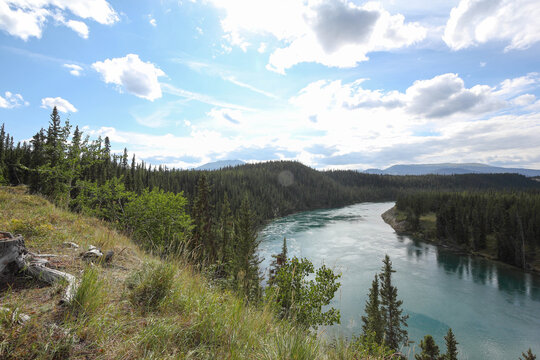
(26, 19)
(132, 74)
(475, 22)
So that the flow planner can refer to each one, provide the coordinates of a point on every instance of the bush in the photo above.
(158, 221)
(150, 285)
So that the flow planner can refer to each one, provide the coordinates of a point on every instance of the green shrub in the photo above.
(158, 221)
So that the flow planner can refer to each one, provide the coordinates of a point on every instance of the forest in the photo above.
(212, 217)
(506, 224)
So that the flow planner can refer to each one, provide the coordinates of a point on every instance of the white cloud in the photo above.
(475, 22)
(170, 89)
(62, 105)
(334, 33)
(12, 101)
(26, 19)
(74, 70)
(79, 27)
(524, 100)
(443, 96)
(130, 73)
(152, 22)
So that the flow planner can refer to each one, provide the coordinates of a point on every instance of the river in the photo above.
(493, 309)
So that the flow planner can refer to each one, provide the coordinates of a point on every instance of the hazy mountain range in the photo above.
(449, 169)
(216, 165)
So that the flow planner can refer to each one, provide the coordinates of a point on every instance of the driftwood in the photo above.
(15, 257)
(15, 315)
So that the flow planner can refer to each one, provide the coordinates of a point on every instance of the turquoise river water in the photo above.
(493, 309)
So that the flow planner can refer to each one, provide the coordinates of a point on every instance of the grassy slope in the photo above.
(193, 320)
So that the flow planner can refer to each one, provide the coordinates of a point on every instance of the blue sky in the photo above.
(331, 83)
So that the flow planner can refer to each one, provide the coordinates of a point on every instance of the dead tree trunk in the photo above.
(14, 257)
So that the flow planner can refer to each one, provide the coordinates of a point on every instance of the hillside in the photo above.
(216, 165)
(450, 169)
(178, 313)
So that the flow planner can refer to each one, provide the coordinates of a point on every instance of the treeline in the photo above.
(59, 162)
(507, 223)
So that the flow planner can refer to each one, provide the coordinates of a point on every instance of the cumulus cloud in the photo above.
(439, 97)
(152, 22)
(74, 70)
(334, 33)
(62, 105)
(11, 100)
(26, 19)
(475, 22)
(446, 94)
(132, 74)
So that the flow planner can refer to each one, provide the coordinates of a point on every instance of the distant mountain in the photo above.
(450, 169)
(216, 165)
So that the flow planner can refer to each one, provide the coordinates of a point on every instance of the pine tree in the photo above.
(393, 320)
(528, 356)
(451, 346)
(372, 321)
(430, 350)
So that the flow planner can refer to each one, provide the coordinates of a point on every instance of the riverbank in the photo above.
(398, 222)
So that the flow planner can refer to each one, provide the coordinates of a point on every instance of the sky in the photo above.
(334, 84)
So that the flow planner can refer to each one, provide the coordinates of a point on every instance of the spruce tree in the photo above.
(393, 320)
(528, 355)
(279, 261)
(430, 350)
(246, 259)
(226, 227)
(203, 239)
(451, 346)
(372, 321)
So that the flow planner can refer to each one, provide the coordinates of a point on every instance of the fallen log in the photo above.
(15, 257)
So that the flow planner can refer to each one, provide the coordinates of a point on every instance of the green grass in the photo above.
(138, 307)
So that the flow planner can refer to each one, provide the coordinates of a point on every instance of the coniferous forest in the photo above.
(212, 218)
(84, 175)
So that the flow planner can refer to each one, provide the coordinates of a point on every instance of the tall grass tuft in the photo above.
(294, 344)
(89, 296)
(150, 285)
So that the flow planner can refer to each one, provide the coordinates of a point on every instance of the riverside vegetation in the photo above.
(191, 288)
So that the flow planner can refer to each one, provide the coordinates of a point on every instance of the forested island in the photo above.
(208, 221)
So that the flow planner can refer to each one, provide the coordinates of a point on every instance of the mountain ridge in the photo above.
(450, 169)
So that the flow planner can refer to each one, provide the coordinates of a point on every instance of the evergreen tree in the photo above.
(372, 321)
(226, 234)
(430, 350)
(2, 156)
(279, 261)
(528, 355)
(393, 320)
(451, 346)
(246, 269)
(203, 237)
